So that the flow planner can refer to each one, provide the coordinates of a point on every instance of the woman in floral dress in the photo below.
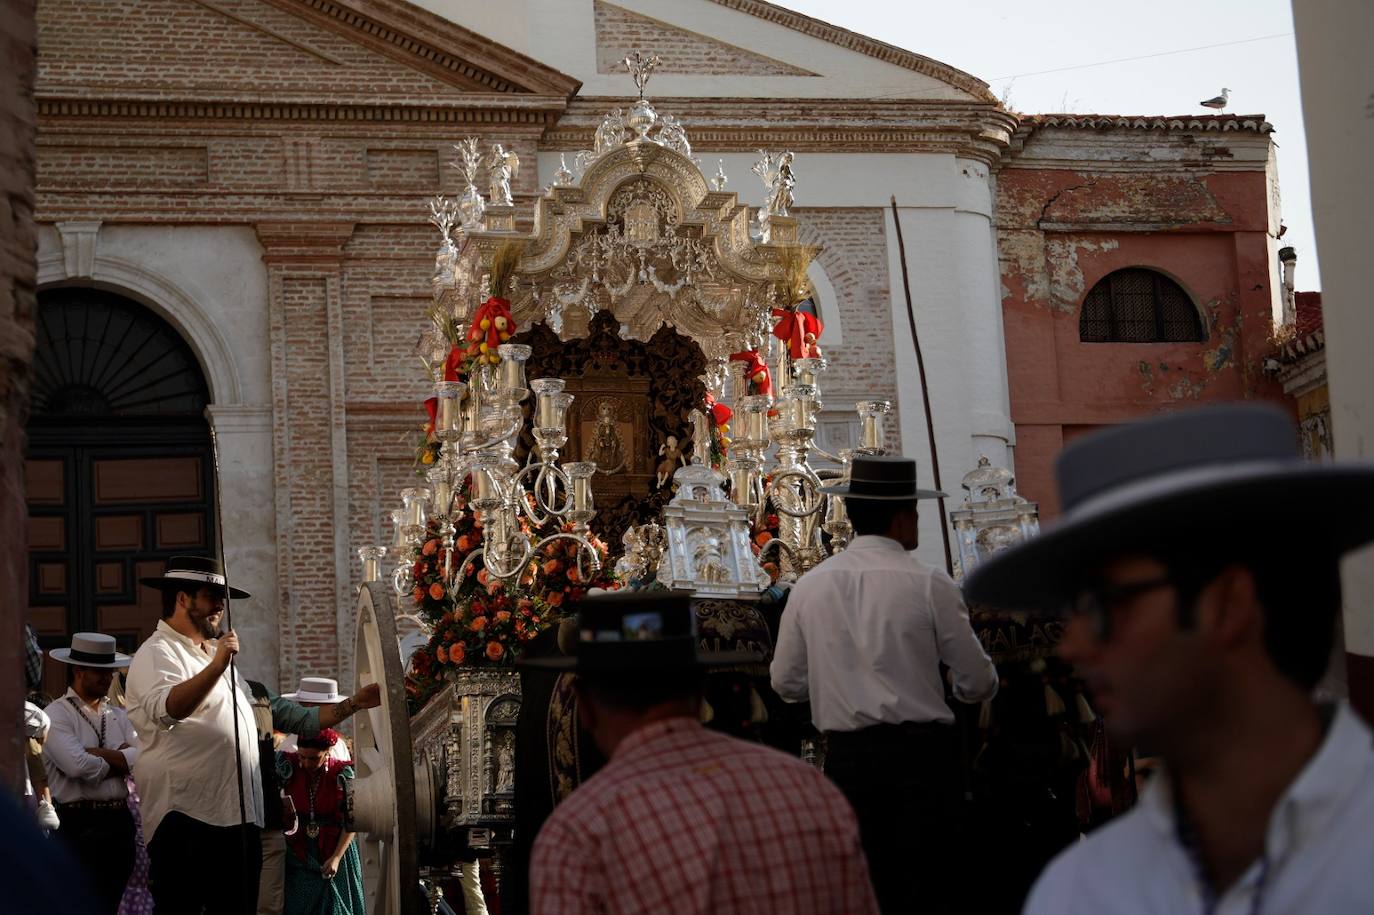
(324, 875)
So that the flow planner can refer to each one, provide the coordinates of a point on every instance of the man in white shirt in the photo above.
(90, 749)
(204, 850)
(862, 637)
(1198, 559)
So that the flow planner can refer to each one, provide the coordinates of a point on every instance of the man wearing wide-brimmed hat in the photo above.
(90, 748)
(1197, 559)
(197, 740)
(862, 637)
(682, 819)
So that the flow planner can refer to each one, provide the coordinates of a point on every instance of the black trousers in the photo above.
(903, 782)
(198, 869)
(103, 840)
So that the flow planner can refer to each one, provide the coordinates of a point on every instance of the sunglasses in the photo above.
(1094, 603)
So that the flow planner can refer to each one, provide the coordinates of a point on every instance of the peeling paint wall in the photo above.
(1074, 205)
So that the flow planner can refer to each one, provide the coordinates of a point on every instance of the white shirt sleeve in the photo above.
(151, 678)
(65, 752)
(788, 670)
(975, 676)
(130, 737)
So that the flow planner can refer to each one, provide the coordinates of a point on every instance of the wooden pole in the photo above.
(925, 388)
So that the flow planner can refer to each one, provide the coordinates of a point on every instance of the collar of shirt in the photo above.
(875, 542)
(166, 629)
(85, 706)
(1315, 797)
(646, 735)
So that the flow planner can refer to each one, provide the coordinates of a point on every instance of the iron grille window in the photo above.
(1139, 306)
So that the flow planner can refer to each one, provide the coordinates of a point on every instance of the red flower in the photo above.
(573, 574)
(554, 599)
(524, 606)
(483, 577)
(495, 651)
(464, 543)
(430, 548)
(442, 654)
(762, 538)
(457, 653)
(552, 566)
(418, 594)
(436, 591)
(478, 624)
(478, 608)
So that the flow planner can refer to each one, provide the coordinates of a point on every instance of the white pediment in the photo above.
(728, 48)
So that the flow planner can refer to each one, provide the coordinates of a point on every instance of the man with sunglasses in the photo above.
(1197, 558)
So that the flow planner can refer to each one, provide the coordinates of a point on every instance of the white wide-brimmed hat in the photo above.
(91, 649)
(316, 689)
(1225, 474)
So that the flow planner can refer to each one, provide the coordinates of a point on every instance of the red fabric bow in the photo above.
(793, 329)
(453, 365)
(432, 408)
(720, 413)
(490, 310)
(753, 365)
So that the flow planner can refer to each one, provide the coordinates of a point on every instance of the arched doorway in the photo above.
(119, 468)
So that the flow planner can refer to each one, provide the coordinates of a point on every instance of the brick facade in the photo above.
(18, 241)
(1079, 200)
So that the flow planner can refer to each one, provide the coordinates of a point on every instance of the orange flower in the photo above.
(495, 651)
(573, 575)
(457, 653)
(418, 594)
(555, 598)
(478, 624)
(502, 616)
(464, 543)
(442, 655)
(763, 538)
(430, 548)
(483, 577)
(552, 567)
(436, 591)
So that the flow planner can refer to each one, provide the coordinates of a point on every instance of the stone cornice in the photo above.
(302, 243)
(71, 102)
(870, 47)
(838, 125)
(434, 44)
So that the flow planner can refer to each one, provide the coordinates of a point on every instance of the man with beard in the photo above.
(1198, 560)
(204, 854)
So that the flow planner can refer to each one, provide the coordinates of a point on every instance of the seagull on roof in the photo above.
(1219, 102)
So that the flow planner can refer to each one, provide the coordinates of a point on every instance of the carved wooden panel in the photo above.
(119, 532)
(169, 479)
(45, 481)
(48, 533)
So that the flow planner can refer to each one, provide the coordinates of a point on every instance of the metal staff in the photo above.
(925, 388)
(233, 669)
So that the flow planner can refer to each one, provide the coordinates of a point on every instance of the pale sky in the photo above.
(1002, 42)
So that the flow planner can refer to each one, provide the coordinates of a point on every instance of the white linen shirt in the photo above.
(188, 765)
(1319, 849)
(74, 774)
(863, 635)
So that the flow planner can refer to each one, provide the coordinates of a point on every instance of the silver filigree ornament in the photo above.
(471, 206)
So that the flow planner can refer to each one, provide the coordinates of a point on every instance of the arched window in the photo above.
(119, 471)
(1139, 306)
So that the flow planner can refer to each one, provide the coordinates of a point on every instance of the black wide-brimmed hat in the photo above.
(638, 632)
(885, 478)
(190, 573)
(91, 649)
(1226, 474)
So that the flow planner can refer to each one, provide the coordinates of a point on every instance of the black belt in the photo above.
(91, 806)
(877, 733)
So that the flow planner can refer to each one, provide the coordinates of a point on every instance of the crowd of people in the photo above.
(1196, 566)
(183, 774)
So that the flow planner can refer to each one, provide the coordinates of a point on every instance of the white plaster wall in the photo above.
(562, 34)
(211, 284)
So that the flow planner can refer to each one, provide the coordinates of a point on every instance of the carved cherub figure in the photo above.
(671, 450)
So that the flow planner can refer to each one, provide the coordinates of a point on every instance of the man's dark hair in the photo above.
(638, 692)
(875, 516)
(169, 599)
(1299, 589)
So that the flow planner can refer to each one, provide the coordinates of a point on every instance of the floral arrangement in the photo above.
(719, 428)
(764, 529)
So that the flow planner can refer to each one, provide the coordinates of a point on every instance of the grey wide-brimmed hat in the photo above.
(321, 690)
(91, 649)
(191, 572)
(1224, 474)
(887, 478)
(638, 632)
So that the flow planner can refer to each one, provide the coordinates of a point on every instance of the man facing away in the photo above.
(682, 819)
(89, 751)
(862, 637)
(197, 750)
(1198, 558)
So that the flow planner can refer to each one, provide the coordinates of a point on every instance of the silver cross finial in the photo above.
(640, 68)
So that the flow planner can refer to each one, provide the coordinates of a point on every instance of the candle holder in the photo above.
(416, 501)
(371, 557)
(871, 433)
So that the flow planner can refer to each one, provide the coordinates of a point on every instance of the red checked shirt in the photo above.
(686, 820)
